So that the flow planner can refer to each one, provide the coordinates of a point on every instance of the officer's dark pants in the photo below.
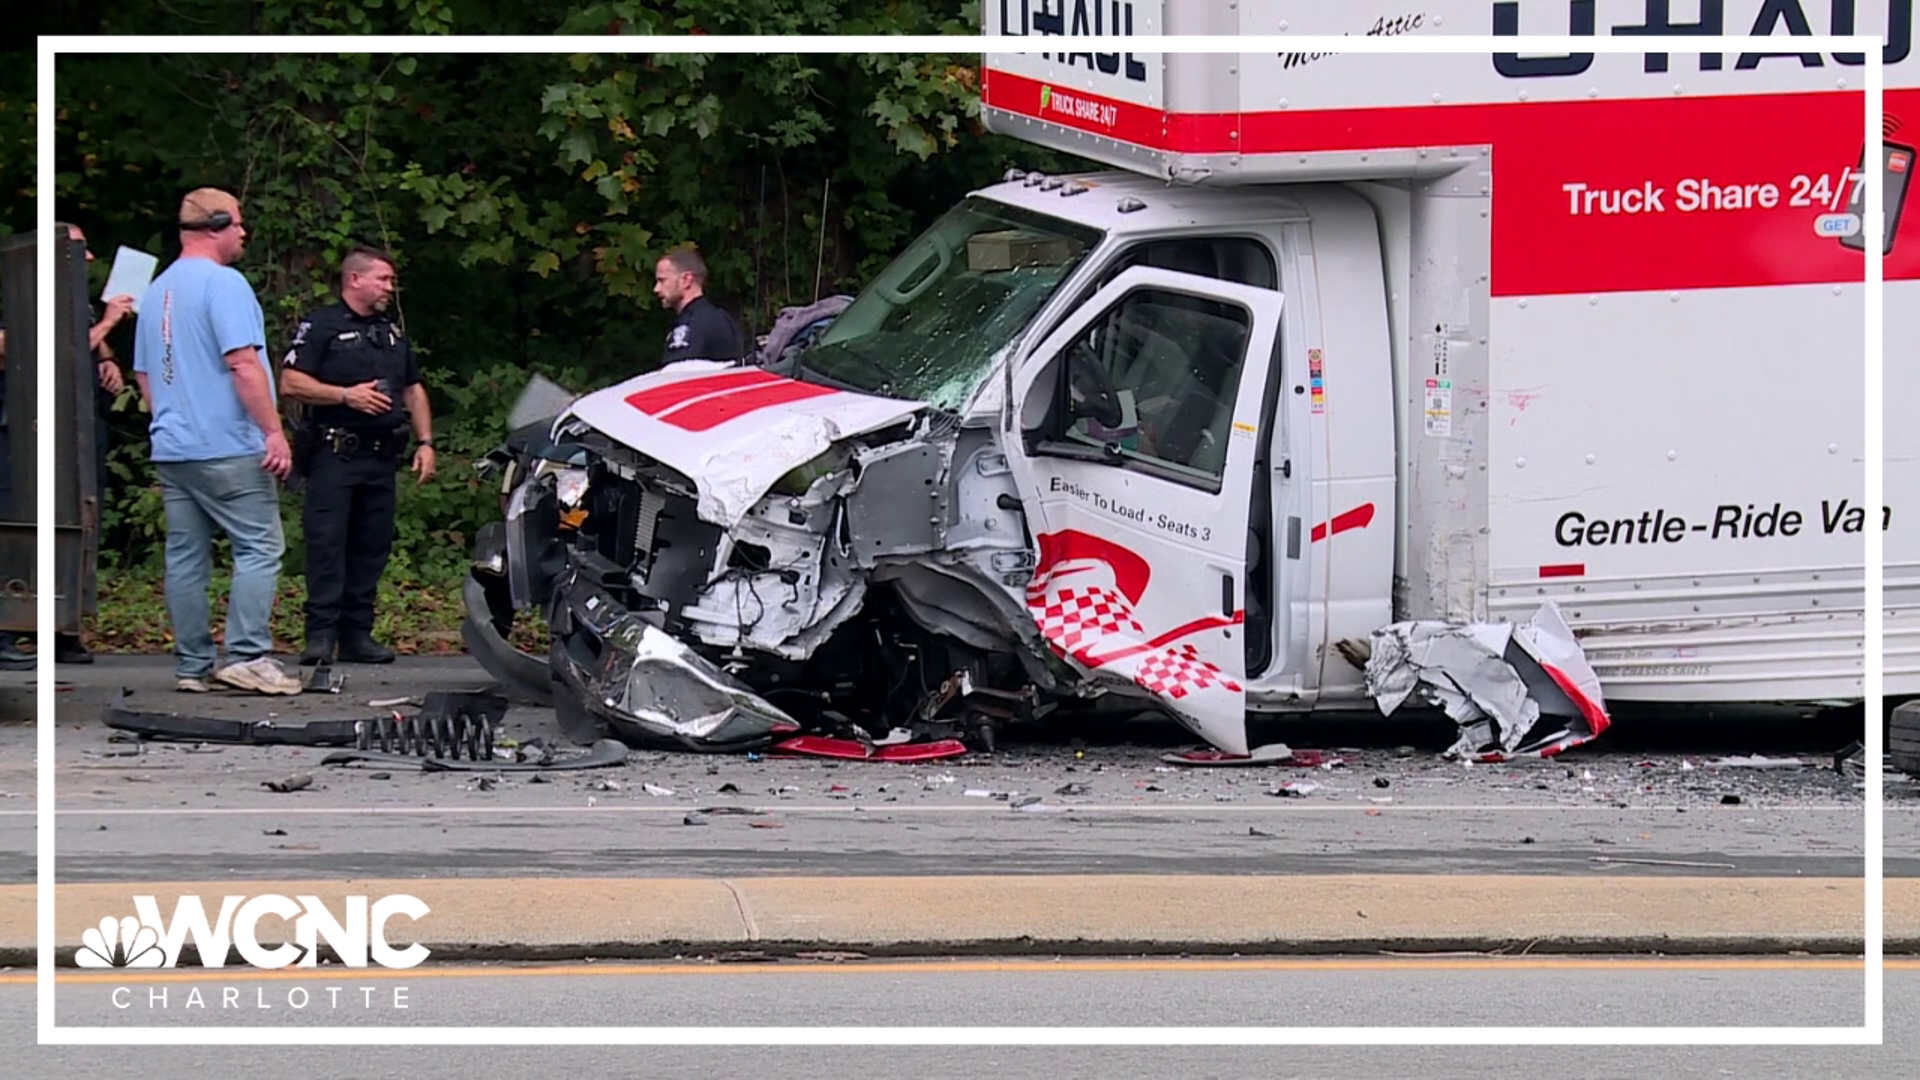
(349, 526)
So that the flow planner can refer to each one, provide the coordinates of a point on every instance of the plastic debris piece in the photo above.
(295, 782)
(657, 791)
(1294, 789)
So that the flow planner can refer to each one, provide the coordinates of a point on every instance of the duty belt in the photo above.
(348, 443)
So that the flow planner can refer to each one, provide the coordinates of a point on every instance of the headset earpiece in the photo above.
(214, 222)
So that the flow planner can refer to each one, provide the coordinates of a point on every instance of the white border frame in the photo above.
(1871, 1033)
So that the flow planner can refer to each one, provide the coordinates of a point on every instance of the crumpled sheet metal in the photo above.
(662, 684)
(717, 424)
(1498, 681)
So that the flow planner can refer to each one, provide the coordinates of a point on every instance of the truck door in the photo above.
(1135, 428)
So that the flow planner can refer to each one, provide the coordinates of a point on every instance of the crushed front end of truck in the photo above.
(784, 557)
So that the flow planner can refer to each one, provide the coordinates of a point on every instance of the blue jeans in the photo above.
(239, 498)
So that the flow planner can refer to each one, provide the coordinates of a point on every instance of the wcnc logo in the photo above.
(149, 941)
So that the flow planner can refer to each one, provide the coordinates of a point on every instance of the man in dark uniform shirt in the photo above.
(702, 331)
(355, 372)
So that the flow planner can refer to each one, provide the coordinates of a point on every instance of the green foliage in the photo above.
(526, 197)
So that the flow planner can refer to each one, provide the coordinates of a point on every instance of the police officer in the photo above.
(355, 372)
(701, 331)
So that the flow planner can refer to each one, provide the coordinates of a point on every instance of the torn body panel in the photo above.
(1514, 689)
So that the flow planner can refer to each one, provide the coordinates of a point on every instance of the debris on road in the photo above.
(879, 750)
(604, 753)
(1073, 789)
(295, 782)
(322, 679)
(1271, 754)
(655, 790)
(1294, 789)
(1513, 689)
(1729, 800)
(393, 702)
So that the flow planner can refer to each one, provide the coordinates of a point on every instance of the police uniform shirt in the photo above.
(702, 332)
(341, 348)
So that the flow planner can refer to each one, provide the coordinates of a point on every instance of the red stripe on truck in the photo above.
(1357, 518)
(1564, 570)
(1594, 196)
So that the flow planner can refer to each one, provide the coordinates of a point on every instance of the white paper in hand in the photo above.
(132, 273)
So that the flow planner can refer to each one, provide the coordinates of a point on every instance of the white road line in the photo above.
(1000, 809)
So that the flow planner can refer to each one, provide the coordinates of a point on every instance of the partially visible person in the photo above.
(355, 371)
(70, 648)
(702, 331)
(12, 657)
(200, 361)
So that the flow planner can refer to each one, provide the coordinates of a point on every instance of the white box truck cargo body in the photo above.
(1584, 328)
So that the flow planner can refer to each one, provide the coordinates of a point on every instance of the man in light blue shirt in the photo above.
(200, 360)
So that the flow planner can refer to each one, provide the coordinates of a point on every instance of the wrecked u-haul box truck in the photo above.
(1534, 382)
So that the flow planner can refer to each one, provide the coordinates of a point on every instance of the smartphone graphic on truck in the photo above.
(1899, 162)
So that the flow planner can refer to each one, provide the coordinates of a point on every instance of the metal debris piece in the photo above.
(655, 790)
(295, 782)
(1072, 789)
(1513, 689)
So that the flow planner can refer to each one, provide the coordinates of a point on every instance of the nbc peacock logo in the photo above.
(1046, 97)
(120, 943)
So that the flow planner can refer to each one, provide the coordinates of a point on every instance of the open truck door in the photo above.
(1135, 429)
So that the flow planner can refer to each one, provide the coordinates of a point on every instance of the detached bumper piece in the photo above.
(172, 727)
(618, 672)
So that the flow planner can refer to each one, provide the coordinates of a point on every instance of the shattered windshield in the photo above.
(931, 326)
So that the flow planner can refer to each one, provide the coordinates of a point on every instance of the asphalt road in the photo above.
(1025, 993)
(1107, 804)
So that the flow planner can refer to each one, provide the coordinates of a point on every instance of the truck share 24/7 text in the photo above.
(1700, 194)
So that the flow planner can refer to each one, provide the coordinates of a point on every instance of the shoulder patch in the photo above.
(300, 333)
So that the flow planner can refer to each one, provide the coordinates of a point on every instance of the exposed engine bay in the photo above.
(809, 560)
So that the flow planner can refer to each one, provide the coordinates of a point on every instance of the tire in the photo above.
(1903, 738)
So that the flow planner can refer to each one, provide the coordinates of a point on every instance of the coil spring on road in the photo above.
(430, 736)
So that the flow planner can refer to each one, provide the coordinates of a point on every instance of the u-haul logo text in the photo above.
(1077, 18)
(1785, 18)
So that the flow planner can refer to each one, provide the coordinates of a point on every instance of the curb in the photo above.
(554, 919)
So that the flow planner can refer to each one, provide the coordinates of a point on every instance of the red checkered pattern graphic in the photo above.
(1175, 673)
(1076, 618)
